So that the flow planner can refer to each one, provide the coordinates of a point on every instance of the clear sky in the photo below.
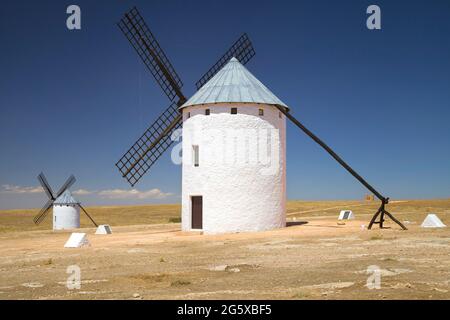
(74, 101)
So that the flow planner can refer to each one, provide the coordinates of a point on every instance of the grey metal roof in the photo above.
(233, 83)
(65, 198)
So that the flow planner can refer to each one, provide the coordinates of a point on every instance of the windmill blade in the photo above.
(46, 186)
(242, 50)
(92, 220)
(41, 215)
(150, 146)
(69, 182)
(143, 41)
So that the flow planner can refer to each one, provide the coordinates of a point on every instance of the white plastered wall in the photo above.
(242, 190)
(66, 217)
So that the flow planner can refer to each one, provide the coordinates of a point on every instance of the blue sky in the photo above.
(74, 101)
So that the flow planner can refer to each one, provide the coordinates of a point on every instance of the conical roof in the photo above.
(65, 199)
(233, 84)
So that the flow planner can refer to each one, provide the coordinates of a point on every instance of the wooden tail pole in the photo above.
(90, 218)
(381, 211)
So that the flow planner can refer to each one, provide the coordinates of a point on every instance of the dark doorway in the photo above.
(197, 212)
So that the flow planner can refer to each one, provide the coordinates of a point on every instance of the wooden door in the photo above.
(197, 212)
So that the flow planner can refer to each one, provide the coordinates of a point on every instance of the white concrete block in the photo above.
(432, 221)
(346, 215)
(77, 240)
(103, 229)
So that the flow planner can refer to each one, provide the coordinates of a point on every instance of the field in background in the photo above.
(148, 257)
(17, 220)
(22, 220)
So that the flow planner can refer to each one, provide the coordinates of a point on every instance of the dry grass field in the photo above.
(148, 257)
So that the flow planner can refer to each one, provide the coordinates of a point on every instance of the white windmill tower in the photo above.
(66, 212)
(234, 148)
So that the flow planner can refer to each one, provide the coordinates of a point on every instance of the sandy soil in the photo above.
(313, 258)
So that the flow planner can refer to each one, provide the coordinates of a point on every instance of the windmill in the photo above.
(58, 201)
(156, 139)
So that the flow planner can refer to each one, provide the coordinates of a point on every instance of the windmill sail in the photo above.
(45, 185)
(43, 212)
(156, 139)
(242, 50)
(150, 146)
(69, 182)
(143, 41)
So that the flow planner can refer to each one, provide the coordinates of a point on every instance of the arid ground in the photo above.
(148, 257)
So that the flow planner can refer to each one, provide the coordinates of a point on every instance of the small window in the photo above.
(207, 112)
(188, 115)
(279, 114)
(195, 156)
(261, 112)
(233, 110)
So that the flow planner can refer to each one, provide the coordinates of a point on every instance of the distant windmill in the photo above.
(66, 213)
(249, 93)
